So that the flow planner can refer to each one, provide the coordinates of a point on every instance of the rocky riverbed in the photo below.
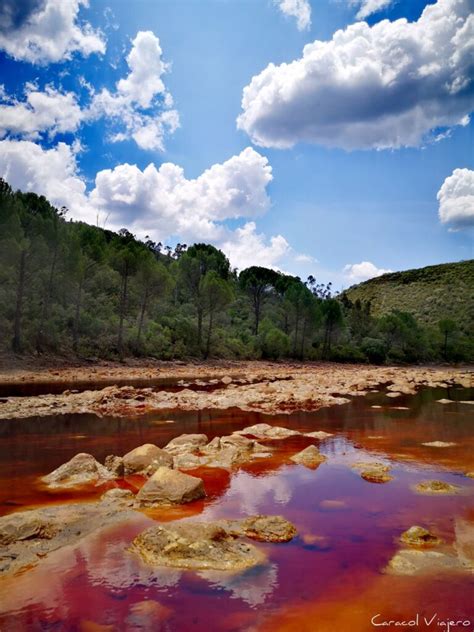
(250, 386)
(267, 494)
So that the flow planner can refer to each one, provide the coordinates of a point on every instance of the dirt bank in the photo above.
(252, 386)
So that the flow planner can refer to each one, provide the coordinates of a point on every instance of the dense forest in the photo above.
(70, 288)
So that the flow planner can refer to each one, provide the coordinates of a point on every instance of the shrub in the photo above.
(347, 353)
(276, 344)
(374, 350)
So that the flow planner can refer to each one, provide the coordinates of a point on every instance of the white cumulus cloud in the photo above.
(368, 7)
(456, 199)
(141, 107)
(146, 67)
(45, 31)
(299, 9)
(49, 172)
(246, 247)
(160, 202)
(358, 272)
(42, 111)
(383, 86)
(163, 202)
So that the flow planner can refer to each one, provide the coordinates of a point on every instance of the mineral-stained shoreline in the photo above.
(251, 386)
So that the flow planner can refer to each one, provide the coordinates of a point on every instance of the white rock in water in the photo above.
(319, 434)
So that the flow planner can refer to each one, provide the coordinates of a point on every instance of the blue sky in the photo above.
(330, 204)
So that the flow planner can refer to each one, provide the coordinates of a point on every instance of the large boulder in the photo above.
(195, 545)
(225, 457)
(168, 487)
(186, 443)
(82, 469)
(146, 459)
(309, 457)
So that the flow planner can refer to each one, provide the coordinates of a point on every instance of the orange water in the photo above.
(329, 578)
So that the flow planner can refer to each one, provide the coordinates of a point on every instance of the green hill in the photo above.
(430, 294)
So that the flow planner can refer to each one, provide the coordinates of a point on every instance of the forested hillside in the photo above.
(73, 289)
(430, 294)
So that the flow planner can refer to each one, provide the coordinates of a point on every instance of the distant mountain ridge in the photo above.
(430, 293)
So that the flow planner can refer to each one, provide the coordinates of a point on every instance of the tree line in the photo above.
(67, 287)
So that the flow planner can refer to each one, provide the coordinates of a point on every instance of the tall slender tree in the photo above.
(217, 294)
(124, 260)
(257, 282)
(194, 264)
(154, 280)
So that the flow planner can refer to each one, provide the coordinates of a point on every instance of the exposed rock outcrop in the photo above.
(214, 545)
(458, 557)
(27, 525)
(374, 472)
(265, 431)
(309, 457)
(436, 487)
(119, 496)
(375, 475)
(224, 452)
(82, 469)
(169, 487)
(28, 536)
(146, 459)
(262, 528)
(186, 443)
(195, 545)
(418, 536)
